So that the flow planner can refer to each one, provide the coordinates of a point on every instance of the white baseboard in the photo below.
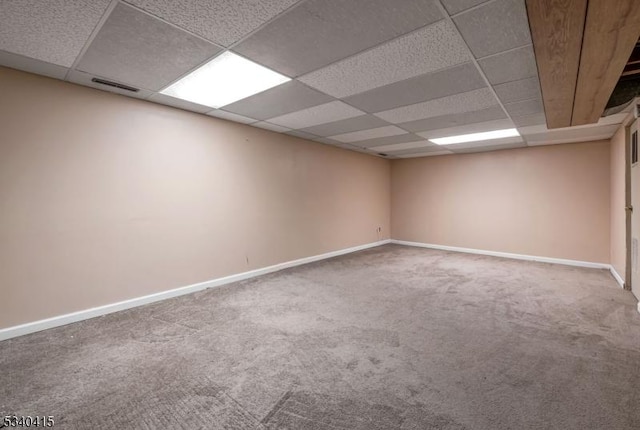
(565, 262)
(616, 276)
(506, 255)
(19, 330)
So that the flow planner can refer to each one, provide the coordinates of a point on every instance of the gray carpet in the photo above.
(389, 338)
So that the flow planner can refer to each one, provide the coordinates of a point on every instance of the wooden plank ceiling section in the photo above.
(556, 29)
(581, 49)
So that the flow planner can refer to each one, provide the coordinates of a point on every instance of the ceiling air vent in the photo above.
(382, 154)
(114, 85)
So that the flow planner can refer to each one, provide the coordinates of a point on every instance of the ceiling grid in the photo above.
(399, 77)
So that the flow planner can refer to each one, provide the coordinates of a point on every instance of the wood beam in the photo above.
(611, 31)
(556, 30)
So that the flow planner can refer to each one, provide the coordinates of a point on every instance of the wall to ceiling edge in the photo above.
(550, 201)
(106, 198)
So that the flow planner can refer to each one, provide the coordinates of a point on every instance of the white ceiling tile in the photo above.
(455, 119)
(320, 32)
(137, 49)
(510, 65)
(534, 119)
(458, 103)
(348, 125)
(431, 48)
(478, 127)
(524, 108)
(54, 31)
(272, 127)
(452, 80)
(495, 27)
(402, 146)
(316, 115)
(32, 65)
(282, 99)
(515, 91)
(221, 21)
(372, 133)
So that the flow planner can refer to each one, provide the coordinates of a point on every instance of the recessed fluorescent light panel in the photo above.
(475, 137)
(224, 80)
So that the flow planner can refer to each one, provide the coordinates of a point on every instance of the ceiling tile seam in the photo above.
(341, 101)
(225, 50)
(521, 79)
(408, 131)
(399, 125)
(105, 15)
(506, 51)
(333, 98)
(475, 62)
(229, 49)
(411, 104)
(408, 79)
(264, 24)
(523, 100)
(472, 8)
(371, 48)
(366, 129)
(355, 143)
(193, 69)
(114, 3)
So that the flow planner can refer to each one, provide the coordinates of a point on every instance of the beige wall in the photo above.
(105, 198)
(550, 201)
(617, 194)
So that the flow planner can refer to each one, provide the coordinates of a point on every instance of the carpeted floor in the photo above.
(389, 338)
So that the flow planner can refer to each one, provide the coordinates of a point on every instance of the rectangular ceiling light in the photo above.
(224, 80)
(474, 137)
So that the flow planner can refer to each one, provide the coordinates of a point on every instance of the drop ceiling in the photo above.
(375, 76)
